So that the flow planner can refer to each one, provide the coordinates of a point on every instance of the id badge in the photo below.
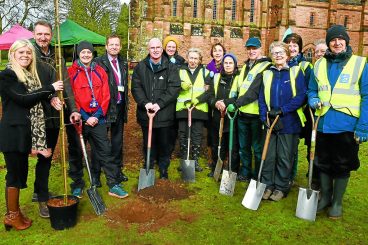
(121, 88)
(93, 103)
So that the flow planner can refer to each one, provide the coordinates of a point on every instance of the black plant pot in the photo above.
(61, 216)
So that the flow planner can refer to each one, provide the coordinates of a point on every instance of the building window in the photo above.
(233, 10)
(175, 6)
(311, 19)
(195, 5)
(251, 17)
(346, 21)
(214, 13)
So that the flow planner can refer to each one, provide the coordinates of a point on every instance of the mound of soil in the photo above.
(148, 216)
(164, 191)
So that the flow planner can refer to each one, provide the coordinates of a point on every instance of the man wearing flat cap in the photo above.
(338, 89)
(249, 124)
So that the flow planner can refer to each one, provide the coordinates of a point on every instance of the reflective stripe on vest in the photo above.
(251, 108)
(192, 93)
(267, 81)
(234, 87)
(345, 96)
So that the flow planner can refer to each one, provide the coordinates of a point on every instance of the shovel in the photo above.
(219, 163)
(188, 166)
(306, 207)
(228, 179)
(147, 175)
(254, 193)
(95, 198)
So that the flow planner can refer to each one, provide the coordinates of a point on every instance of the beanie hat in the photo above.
(231, 56)
(295, 38)
(337, 31)
(253, 42)
(84, 45)
(168, 39)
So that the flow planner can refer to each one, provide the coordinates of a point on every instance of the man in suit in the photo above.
(117, 70)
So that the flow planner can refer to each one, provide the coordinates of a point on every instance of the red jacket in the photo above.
(82, 90)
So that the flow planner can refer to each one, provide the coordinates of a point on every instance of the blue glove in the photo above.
(315, 103)
(360, 136)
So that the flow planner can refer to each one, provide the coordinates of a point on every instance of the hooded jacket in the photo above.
(161, 87)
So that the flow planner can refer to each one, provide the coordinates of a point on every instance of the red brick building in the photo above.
(199, 23)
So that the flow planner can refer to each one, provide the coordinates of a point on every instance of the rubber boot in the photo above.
(13, 217)
(183, 154)
(326, 192)
(164, 175)
(339, 188)
(196, 151)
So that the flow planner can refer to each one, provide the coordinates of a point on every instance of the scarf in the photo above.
(38, 128)
(340, 57)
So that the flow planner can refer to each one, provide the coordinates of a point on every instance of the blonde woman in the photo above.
(21, 129)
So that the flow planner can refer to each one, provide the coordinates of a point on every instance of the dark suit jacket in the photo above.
(15, 124)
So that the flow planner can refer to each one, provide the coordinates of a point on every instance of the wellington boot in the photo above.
(340, 185)
(196, 150)
(326, 192)
(14, 217)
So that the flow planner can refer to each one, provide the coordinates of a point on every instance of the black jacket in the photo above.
(47, 73)
(161, 87)
(203, 98)
(179, 60)
(104, 62)
(15, 125)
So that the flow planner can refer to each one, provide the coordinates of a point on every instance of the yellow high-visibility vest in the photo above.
(304, 65)
(234, 87)
(267, 81)
(245, 82)
(345, 96)
(196, 90)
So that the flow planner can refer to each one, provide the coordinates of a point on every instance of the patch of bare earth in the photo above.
(151, 209)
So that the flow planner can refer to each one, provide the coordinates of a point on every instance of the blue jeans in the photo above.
(250, 137)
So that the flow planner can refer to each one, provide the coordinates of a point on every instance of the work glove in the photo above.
(195, 101)
(274, 113)
(315, 103)
(360, 136)
(231, 108)
(186, 85)
(278, 126)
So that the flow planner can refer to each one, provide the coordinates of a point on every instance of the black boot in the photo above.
(164, 174)
(183, 154)
(326, 192)
(339, 188)
(196, 151)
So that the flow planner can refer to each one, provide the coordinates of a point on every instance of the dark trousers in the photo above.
(225, 148)
(16, 169)
(250, 137)
(196, 130)
(43, 165)
(337, 154)
(161, 147)
(97, 138)
(75, 157)
(279, 161)
(116, 144)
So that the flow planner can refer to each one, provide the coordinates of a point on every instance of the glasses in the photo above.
(279, 53)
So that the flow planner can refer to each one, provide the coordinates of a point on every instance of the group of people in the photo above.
(277, 90)
(95, 93)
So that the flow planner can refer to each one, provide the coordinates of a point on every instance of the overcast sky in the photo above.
(125, 1)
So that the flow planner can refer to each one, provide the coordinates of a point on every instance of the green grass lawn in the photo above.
(218, 219)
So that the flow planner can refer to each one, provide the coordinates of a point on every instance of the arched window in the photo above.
(174, 7)
(214, 13)
(311, 19)
(251, 15)
(195, 6)
(233, 10)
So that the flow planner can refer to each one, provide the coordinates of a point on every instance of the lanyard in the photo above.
(89, 78)
(117, 71)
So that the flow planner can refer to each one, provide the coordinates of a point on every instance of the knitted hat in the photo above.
(84, 45)
(253, 42)
(231, 56)
(168, 39)
(337, 31)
